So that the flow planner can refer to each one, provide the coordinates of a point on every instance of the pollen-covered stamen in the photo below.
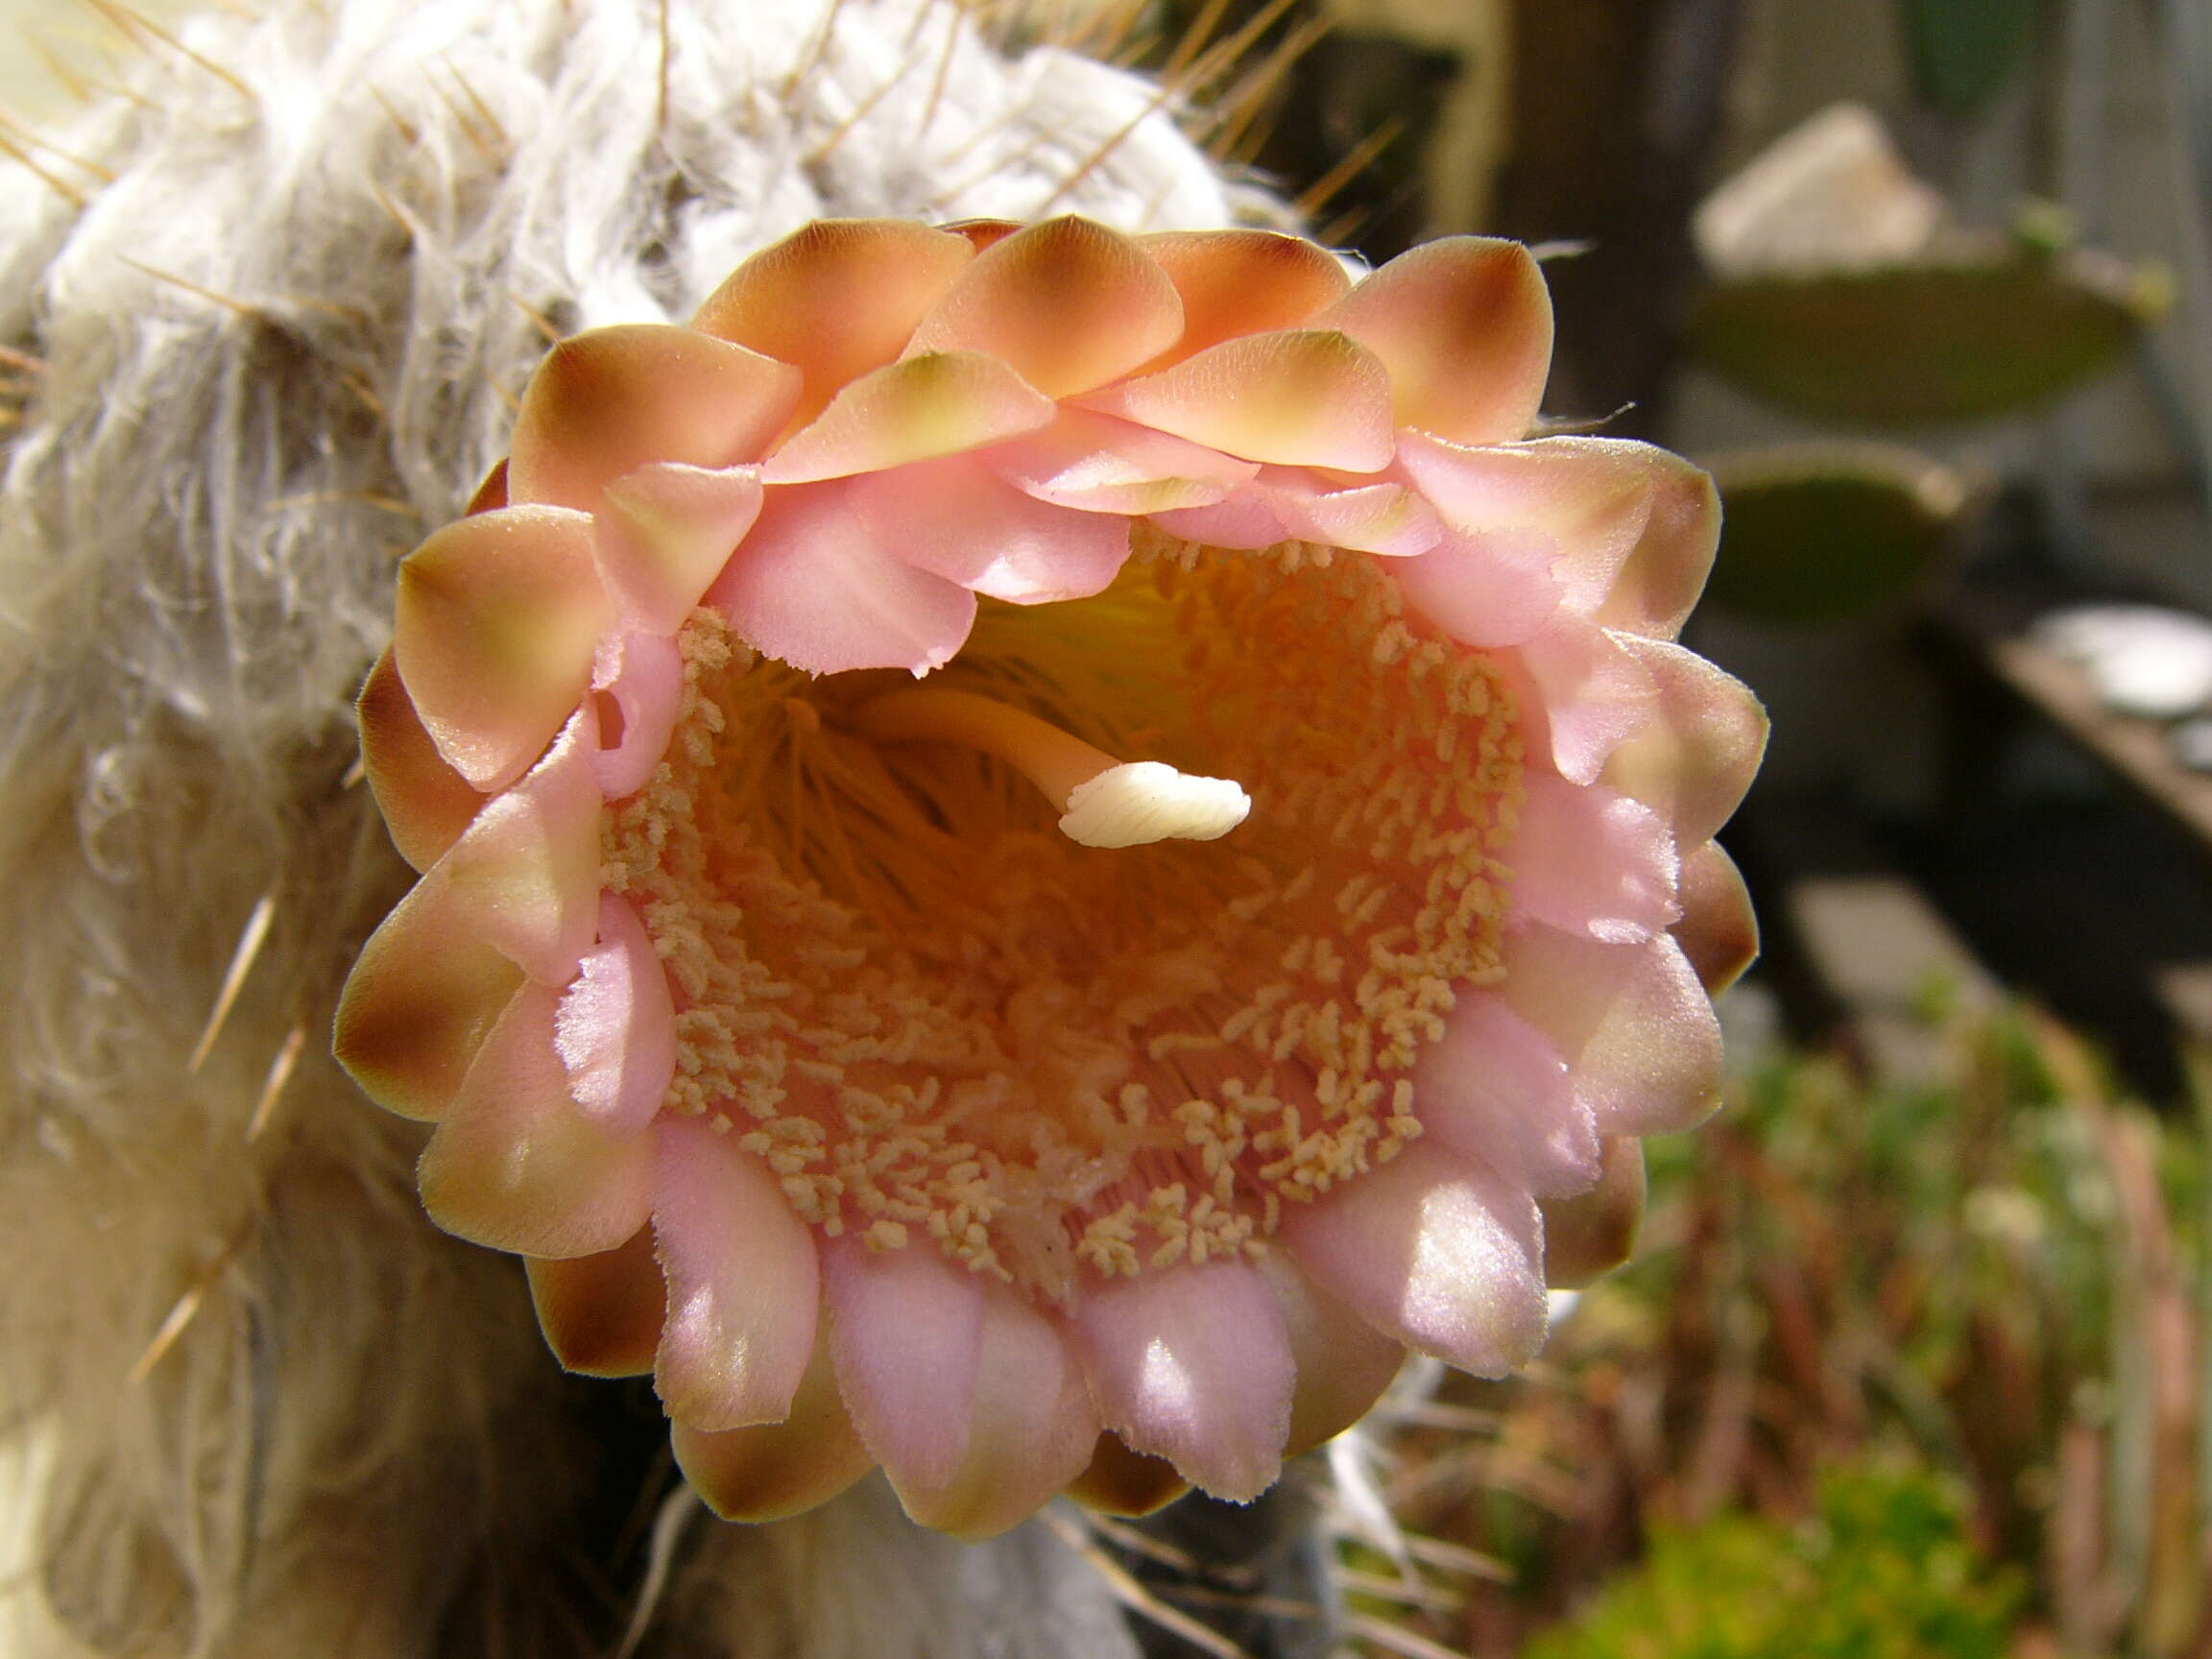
(1104, 802)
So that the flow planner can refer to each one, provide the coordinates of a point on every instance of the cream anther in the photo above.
(1106, 803)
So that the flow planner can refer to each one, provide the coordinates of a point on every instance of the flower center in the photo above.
(954, 970)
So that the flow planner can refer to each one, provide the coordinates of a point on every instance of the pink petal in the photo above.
(812, 586)
(913, 410)
(1718, 933)
(1663, 576)
(1247, 518)
(524, 876)
(1486, 589)
(1194, 1364)
(616, 1027)
(1589, 693)
(1386, 519)
(1101, 465)
(1633, 1024)
(1437, 1251)
(744, 1288)
(1463, 324)
(617, 398)
(601, 1315)
(423, 994)
(1235, 283)
(1308, 397)
(426, 803)
(1591, 861)
(773, 1471)
(1494, 1088)
(636, 691)
(517, 1165)
(497, 619)
(1030, 1432)
(838, 298)
(1343, 1364)
(1067, 304)
(663, 533)
(907, 1332)
(1696, 757)
(958, 519)
(1594, 1232)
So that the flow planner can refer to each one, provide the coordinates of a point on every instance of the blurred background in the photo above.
(1917, 1356)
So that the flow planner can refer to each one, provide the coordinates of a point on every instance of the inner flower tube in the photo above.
(1041, 849)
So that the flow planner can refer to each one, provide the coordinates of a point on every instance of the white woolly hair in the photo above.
(268, 306)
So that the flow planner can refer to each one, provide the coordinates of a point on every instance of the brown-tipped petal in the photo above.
(1665, 571)
(516, 1165)
(776, 1470)
(424, 995)
(1305, 397)
(1032, 1429)
(1436, 1251)
(982, 233)
(617, 398)
(836, 300)
(1698, 754)
(524, 876)
(1633, 1024)
(1464, 326)
(1067, 304)
(1237, 282)
(916, 409)
(1719, 932)
(491, 492)
(426, 803)
(1344, 1363)
(1595, 1232)
(1119, 1481)
(498, 620)
(601, 1315)
(663, 534)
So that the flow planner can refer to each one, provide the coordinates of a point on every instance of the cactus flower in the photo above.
(1039, 850)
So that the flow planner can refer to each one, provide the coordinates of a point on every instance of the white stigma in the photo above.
(1145, 801)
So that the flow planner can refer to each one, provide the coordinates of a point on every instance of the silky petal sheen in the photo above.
(517, 1165)
(907, 1332)
(1464, 325)
(1487, 589)
(813, 587)
(1343, 1364)
(1590, 498)
(424, 992)
(616, 1030)
(1306, 398)
(1595, 1232)
(1385, 518)
(497, 619)
(1031, 1430)
(1437, 1251)
(1633, 1024)
(1696, 757)
(1666, 569)
(1591, 860)
(1067, 304)
(776, 1470)
(663, 534)
(1235, 283)
(744, 1288)
(1593, 694)
(916, 409)
(617, 399)
(1493, 1087)
(1194, 1364)
(601, 1315)
(636, 691)
(1119, 1481)
(1247, 518)
(958, 519)
(524, 876)
(424, 802)
(1719, 932)
(836, 300)
(1101, 465)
